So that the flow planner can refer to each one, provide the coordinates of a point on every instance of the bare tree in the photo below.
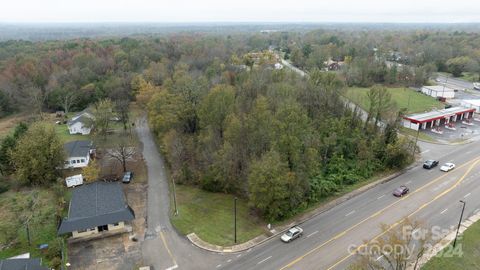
(397, 248)
(68, 99)
(122, 152)
(122, 110)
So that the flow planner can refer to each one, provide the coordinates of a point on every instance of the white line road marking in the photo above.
(379, 258)
(229, 260)
(467, 195)
(249, 250)
(264, 260)
(426, 151)
(415, 231)
(173, 267)
(239, 255)
(312, 233)
(468, 152)
(218, 266)
(381, 197)
(350, 213)
(408, 182)
(445, 210)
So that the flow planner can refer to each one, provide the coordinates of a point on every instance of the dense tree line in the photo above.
(384, 55)
(279, 140)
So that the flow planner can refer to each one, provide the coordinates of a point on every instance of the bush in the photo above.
(56, 262)
(4, 187)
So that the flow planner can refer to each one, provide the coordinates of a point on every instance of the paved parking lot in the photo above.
(463, 132)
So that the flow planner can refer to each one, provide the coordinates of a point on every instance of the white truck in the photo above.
(74, 180)
(476, 85)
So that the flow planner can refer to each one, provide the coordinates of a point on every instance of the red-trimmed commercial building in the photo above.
(437, 118)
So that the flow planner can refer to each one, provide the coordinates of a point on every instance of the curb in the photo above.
(195, 240)
(443, 243)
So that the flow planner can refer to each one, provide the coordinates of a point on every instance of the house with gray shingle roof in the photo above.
(81, 123)
(95, 208)
(77, 154)
(22, 264)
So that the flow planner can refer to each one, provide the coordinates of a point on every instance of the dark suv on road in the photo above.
(430, 164)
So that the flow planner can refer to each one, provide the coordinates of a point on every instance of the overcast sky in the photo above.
(239, 11)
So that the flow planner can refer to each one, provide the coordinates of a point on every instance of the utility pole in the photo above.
(459, 223)
(445, 83)
(416, 139)
(28, 233)
(235, 218)
(174, 198)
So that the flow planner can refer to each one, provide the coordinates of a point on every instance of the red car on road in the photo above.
(400, 191)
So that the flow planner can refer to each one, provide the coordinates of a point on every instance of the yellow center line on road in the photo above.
(473, 162)
(166, 247)
(411, 214)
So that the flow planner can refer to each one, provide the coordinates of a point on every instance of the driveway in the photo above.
(163, 247)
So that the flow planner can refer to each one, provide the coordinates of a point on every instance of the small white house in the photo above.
(438, 91)
(80, 124)
(78, 154)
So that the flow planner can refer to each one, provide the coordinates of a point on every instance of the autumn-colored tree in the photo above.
(92, 171)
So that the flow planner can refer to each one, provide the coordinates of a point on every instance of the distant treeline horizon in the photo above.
(72, 30)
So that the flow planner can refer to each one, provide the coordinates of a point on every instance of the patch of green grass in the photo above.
(413, 133)
(42, 222)
(65, 136)
(468, 244)
(211, 216)
(404, 98)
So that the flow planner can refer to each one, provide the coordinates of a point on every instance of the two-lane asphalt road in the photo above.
(434, 199)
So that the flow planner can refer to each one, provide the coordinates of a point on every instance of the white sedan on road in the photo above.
(292, 234)
(447, 167)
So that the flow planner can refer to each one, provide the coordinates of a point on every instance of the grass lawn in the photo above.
(401, 96)
(470, 246)
(42, 225)
(421, 136)
(210, 216)
(65, 136)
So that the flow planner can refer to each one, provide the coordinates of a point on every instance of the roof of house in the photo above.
(439, 114)
(84, 119)
(78, 148)
(22, 264)
(96, 204)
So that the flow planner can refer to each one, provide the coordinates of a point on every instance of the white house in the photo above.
(438, 91)
(81, 123)
(78, 154)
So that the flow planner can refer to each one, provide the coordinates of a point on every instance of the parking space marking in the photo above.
(312, 233)
(239, 255)
(408, 182)
(467, 195)
(218, 266)
(445, 210)
(350, 213)
(229, 260)
(426, 151)
(264, 260)
(173, 267)
(381, 197)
